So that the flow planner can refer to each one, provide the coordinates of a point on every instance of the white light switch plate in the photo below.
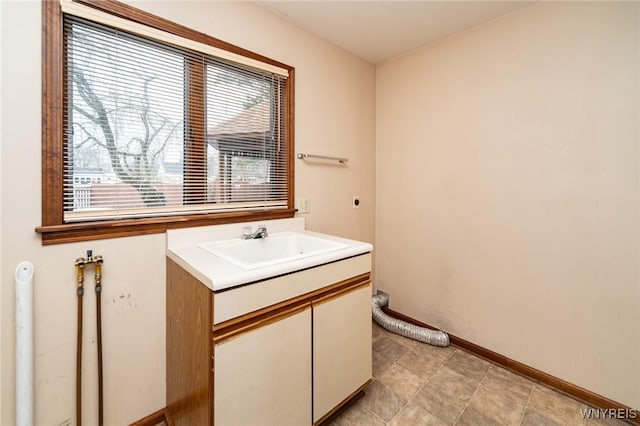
(304, 205)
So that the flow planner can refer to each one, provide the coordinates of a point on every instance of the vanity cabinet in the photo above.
(270, 355)
(264, 373)
(341, 347)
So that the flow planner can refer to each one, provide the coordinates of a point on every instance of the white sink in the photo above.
(277, 248)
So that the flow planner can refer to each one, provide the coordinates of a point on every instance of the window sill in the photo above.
(88, 231)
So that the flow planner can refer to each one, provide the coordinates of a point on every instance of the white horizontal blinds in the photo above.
(124, 123)
(246, 150)
(75, 9)
(138, 118)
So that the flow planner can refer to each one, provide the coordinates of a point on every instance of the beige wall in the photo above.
(1, 269)
(335, 107)
(507, 189)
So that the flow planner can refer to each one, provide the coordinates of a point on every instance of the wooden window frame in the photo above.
(54, 230)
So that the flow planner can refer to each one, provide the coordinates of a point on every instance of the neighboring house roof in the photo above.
(256, 119)
(243, 131)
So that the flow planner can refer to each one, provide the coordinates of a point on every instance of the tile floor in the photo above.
(418, 384)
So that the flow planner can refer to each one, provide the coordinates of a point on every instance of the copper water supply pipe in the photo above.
(79, 264)
(98, 287)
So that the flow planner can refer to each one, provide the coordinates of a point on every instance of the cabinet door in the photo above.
(263, 376)
(341, 348)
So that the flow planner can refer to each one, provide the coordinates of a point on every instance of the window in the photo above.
(149, 125)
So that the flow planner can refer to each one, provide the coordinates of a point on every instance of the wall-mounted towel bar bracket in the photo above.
(340, 160)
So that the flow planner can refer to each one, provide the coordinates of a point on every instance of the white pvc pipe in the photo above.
(24, 344)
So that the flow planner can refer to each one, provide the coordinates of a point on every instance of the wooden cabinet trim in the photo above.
(339, 293)
(230, 332)
(347, 284)
(189, 388)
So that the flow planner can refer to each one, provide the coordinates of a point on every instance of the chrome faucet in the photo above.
(261, 232)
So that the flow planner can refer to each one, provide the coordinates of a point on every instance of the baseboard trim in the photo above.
(585, 395)
(162, 415)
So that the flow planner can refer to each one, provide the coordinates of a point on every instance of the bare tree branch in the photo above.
(86, 114)
(92, 100)
(134, 168)
(109, 112)
(166, 140)
(90, 137)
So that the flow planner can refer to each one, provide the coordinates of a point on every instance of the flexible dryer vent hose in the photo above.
(421, 334)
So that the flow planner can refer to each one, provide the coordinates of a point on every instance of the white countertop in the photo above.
(218, 274)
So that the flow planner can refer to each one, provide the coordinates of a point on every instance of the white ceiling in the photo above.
(379, 30)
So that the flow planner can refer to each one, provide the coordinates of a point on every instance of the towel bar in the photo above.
(340, 160)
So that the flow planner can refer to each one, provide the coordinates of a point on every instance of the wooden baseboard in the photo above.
(574, 391)
(154, 419)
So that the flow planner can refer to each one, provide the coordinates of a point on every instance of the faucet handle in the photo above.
(246, 231)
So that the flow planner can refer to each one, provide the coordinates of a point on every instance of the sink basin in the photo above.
(277, 248)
